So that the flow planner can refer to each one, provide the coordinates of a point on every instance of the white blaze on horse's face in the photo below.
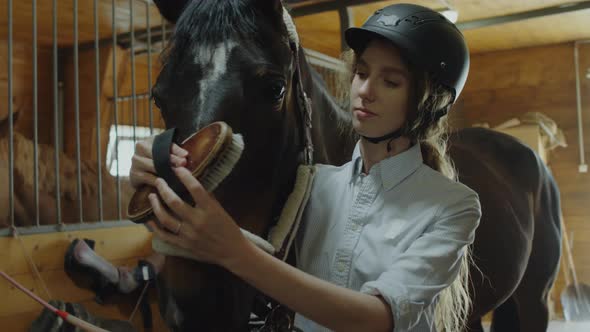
(213, 63)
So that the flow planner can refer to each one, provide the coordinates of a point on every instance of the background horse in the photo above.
(24, 199)
(518, 242)
(235, 61)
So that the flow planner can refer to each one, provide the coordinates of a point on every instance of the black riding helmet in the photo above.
(426, 37)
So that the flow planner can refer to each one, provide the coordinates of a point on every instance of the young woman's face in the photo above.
(380, 92)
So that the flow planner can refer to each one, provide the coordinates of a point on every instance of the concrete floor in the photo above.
(562, 326)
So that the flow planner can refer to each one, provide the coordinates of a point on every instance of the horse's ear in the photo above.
(271, 7)
(171, 9)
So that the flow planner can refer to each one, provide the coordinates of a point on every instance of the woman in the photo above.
(393, 256)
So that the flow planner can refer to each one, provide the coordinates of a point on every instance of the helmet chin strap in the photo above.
(391, 137)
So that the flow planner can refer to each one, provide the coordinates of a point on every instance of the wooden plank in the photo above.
(321, 32)
(122, 246)
(22, 321)
(59, 285)
(48, 250)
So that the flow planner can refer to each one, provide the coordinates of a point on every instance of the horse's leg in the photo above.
(533, 291)
(533, 311)
(505, 318)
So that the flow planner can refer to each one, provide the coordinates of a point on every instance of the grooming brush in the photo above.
(213, 151)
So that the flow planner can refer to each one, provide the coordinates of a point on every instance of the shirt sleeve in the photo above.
(429, 265)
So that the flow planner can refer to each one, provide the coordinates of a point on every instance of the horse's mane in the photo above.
(226, 19)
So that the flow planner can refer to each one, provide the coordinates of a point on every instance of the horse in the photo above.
(239, 61)
(517, 245)
(24, 199)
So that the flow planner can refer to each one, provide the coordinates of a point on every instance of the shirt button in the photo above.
(340, 267)
(404, 307)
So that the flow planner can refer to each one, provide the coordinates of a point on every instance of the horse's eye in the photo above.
(277, 90)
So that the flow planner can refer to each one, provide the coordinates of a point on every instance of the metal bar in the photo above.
(56, 117)
(35, 115)
(98, 122)
(324, 61)
(163, 32)
(10, 120)
(115, 108)
(325, 6)
(149, 60)
(126, 98)
(536, 13)
(124, 39)
(45, 229)
(77, 114)
(133, 104)
(346, 21)
(582, 167)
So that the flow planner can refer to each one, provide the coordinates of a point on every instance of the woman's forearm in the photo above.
(337, 308)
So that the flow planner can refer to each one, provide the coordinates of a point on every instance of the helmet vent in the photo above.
(389, 20)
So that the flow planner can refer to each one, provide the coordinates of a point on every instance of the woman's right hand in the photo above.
(143, 170)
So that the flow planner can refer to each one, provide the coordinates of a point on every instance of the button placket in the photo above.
(367, 190)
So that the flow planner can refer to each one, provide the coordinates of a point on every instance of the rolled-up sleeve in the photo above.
(430, 263)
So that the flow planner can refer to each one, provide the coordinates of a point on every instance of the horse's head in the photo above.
(235, 61)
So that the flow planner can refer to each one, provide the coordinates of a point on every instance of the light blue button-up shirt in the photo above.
(398, 232)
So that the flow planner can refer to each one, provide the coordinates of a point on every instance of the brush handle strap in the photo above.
(161, 150)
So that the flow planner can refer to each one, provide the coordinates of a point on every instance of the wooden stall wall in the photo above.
(87, 97)
(119, 245)
(507, 84)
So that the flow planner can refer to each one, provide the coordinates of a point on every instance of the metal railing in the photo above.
(36, 225)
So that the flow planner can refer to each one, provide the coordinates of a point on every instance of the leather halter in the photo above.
(304, 105)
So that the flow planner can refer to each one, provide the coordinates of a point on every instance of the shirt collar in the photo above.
(391, 170)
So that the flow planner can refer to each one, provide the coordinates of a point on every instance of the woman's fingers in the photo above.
(177, 161)
(144, 148)
(166, 220)
(177, 150)
(195, 188)
(166, 236)
(143, 178)
(142, 164)
(174, 202)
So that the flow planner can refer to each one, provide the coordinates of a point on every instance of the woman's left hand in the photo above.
(206, 229)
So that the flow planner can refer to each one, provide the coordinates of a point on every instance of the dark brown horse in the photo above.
(236, 61)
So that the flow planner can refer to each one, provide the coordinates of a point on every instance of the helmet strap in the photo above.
(398, 133)
(391, 137)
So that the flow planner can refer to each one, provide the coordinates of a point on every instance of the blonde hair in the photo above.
(422, 126)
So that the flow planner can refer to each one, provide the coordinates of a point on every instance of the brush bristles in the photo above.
(224, 163)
